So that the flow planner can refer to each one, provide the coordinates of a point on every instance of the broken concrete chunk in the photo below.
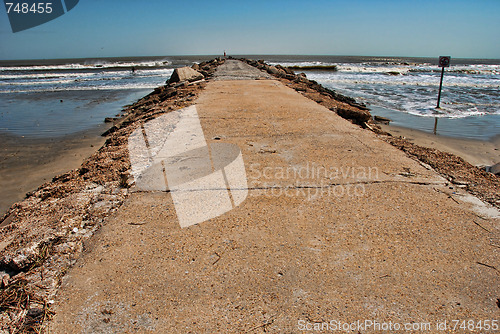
(185, 74)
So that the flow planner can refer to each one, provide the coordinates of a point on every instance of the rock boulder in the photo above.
(357, 115)
(272, 70)
(495, 169)
(185, 74)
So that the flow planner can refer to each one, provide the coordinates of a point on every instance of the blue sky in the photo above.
(108, 28)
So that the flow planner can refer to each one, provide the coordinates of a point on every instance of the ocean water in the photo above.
(405, 89)
(51, 98)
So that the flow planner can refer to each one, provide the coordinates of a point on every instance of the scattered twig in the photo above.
(218, 258)
(449, 195)
(489, 266)
(18, 297)
(385, 276)
(368, 126)
(311, 320)
(137, 223)
(481, 226)
(41, 257)
(453, 199)
(267, 323)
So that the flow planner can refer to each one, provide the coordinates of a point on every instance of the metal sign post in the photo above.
(444, 61)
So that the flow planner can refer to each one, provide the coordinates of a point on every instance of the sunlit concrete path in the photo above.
(336, 227)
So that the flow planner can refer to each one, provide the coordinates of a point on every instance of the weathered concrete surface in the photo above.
(391, 245)
(237, 70)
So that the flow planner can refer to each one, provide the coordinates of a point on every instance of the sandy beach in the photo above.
(476, 152)
(26, 164)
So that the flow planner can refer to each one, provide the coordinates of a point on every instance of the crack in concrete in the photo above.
(420, 183)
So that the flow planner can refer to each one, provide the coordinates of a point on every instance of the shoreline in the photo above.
(28, 163)
(29, 159)
(474, 151)
(62, 113)
(479, 128)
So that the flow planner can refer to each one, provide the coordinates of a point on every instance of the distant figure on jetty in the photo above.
(224, 54)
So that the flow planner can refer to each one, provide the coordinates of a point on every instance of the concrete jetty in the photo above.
(327, 226)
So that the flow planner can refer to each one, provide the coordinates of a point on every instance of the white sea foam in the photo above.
(33, 76)
(398, 85)
(465, 93)
(417, 80)
(88, 88)
(91, 65)
(302, 64)
(34, 81)
(402, 68)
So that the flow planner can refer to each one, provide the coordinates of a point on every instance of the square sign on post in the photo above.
(444, 61)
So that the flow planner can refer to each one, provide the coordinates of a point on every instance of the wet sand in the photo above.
(26, 163)
(476, 152)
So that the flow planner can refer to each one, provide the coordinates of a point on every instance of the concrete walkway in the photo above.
(337, 226)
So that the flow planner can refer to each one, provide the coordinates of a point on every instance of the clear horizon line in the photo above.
(248, 54)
